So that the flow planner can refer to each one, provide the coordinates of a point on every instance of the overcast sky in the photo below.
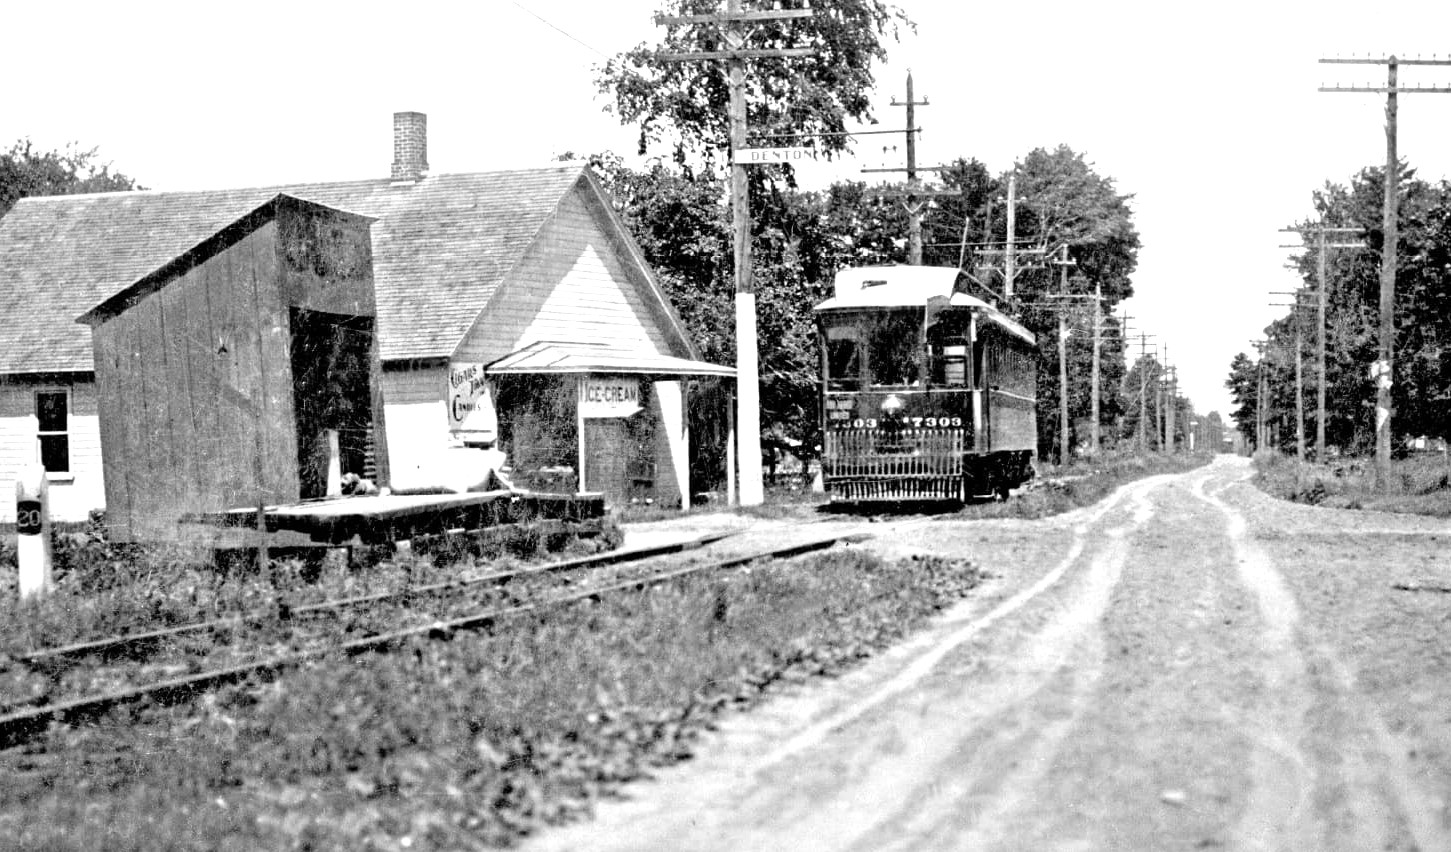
(1206, 113)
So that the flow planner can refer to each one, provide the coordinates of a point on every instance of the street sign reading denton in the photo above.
(761, 156)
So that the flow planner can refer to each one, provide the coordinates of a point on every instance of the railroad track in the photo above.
(132, 643)
(190, 644)
(19, 725)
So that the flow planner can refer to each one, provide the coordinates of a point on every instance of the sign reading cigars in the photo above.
(470, 401)
(610, 397)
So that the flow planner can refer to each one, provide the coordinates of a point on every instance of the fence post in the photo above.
(32, 531)
(334, 464)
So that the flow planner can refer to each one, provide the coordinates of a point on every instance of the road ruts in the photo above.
(1138, 675)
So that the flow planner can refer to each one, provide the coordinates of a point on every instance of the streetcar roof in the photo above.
(877, 287)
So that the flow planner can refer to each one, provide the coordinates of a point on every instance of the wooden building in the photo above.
(220, 375)
(468, 269)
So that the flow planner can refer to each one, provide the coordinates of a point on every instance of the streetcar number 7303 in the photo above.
(914, 422)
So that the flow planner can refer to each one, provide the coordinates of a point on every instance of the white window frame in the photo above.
(63, 475)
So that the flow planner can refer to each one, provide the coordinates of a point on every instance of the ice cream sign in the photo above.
(609, 397)
(470, 400)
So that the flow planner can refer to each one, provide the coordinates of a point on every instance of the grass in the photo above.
(1420, 484)
(1062, 488)
(102, 589)
(468, 743)
(1056, 489)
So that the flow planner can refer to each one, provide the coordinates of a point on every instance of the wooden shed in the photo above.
(220, 375)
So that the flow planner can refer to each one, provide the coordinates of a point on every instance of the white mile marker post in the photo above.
(32, 531)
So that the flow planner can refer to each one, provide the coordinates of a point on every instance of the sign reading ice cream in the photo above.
(609, 397)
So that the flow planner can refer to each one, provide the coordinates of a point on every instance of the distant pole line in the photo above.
(1320, 230)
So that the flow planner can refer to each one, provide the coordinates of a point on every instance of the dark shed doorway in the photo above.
(330, 369)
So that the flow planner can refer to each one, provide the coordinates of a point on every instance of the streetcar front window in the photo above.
(895, 348)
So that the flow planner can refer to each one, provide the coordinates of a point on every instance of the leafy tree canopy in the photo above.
(1063, 201)
(26, 171)
(685, 104)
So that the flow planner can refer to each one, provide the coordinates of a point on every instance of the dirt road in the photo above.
(1189, 664)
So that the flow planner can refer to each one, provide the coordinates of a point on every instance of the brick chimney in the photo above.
(410, 146)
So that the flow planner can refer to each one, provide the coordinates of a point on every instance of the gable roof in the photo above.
(211, 246)
(441, 248)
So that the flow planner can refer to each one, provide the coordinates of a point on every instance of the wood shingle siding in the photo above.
(572, 285)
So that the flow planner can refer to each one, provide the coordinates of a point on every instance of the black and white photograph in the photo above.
(725, 426)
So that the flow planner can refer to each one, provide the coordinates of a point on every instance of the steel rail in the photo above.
(19, 727)
(116, 645)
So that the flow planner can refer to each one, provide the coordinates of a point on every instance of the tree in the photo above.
(1065, 203)
(25, 172)
(1421, 395)
(684, 104)
(1213, 433)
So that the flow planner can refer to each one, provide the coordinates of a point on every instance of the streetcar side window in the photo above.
(948, 351)
(843, 363)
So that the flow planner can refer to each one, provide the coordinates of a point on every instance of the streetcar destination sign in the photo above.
(759, 156)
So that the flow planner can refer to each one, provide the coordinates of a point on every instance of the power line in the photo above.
(561, 30)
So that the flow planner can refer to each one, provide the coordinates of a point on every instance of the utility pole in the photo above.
(1320, 230)
(1173, 401)
(1064, 451)
(1296, 307)
(1299, 398)
(1012, 256)
(733, 25)
(1010, 248)
(1094, 434)
(1166, 418)
(1381, 371)
(1143, 391)
(1260, 346)
(915, 197)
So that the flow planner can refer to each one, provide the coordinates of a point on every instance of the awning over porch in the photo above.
(548, 356)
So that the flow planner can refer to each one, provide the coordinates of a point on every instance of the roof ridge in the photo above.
(571, 166)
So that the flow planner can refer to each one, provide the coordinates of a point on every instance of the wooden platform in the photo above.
(381, 519)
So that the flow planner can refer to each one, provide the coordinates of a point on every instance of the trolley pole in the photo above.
(1381, 371)
(733, 25)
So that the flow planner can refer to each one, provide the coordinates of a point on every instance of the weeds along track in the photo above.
(155, 654)
(173, 665)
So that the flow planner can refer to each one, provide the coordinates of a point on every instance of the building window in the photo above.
(55, 443)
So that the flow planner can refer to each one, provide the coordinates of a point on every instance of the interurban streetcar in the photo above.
(927, 393)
